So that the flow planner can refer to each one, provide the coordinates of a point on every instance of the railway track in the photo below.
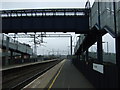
(18, 78)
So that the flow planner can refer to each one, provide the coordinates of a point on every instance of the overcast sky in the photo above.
(56, 44)
(19, 4)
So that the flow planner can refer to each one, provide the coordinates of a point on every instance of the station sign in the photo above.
(98, 67)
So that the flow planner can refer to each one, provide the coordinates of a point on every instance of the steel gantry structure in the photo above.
(45, 12)
(42, 35)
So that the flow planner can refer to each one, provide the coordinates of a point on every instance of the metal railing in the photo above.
(13, 44)
(44, 12)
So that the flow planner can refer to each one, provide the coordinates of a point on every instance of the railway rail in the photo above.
(17, 78)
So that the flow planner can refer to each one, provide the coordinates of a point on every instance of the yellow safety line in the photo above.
(55, 78)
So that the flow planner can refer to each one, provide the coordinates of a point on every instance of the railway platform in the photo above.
(22, 65)
(63, 75)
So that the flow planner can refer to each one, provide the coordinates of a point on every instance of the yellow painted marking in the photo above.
(55, 78)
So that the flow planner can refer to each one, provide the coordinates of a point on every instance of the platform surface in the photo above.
(62, 75)
(70, 77)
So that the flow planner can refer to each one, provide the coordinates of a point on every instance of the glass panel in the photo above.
(109, 52)
(93, 51)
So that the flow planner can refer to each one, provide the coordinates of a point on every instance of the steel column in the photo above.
(118, 57)
(87, 55)
(99, 48)
(99, 38)
(11, 55)
(117, 38)
(71, 44)
(22, 58)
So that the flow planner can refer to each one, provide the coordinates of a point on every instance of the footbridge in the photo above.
(45, 20)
